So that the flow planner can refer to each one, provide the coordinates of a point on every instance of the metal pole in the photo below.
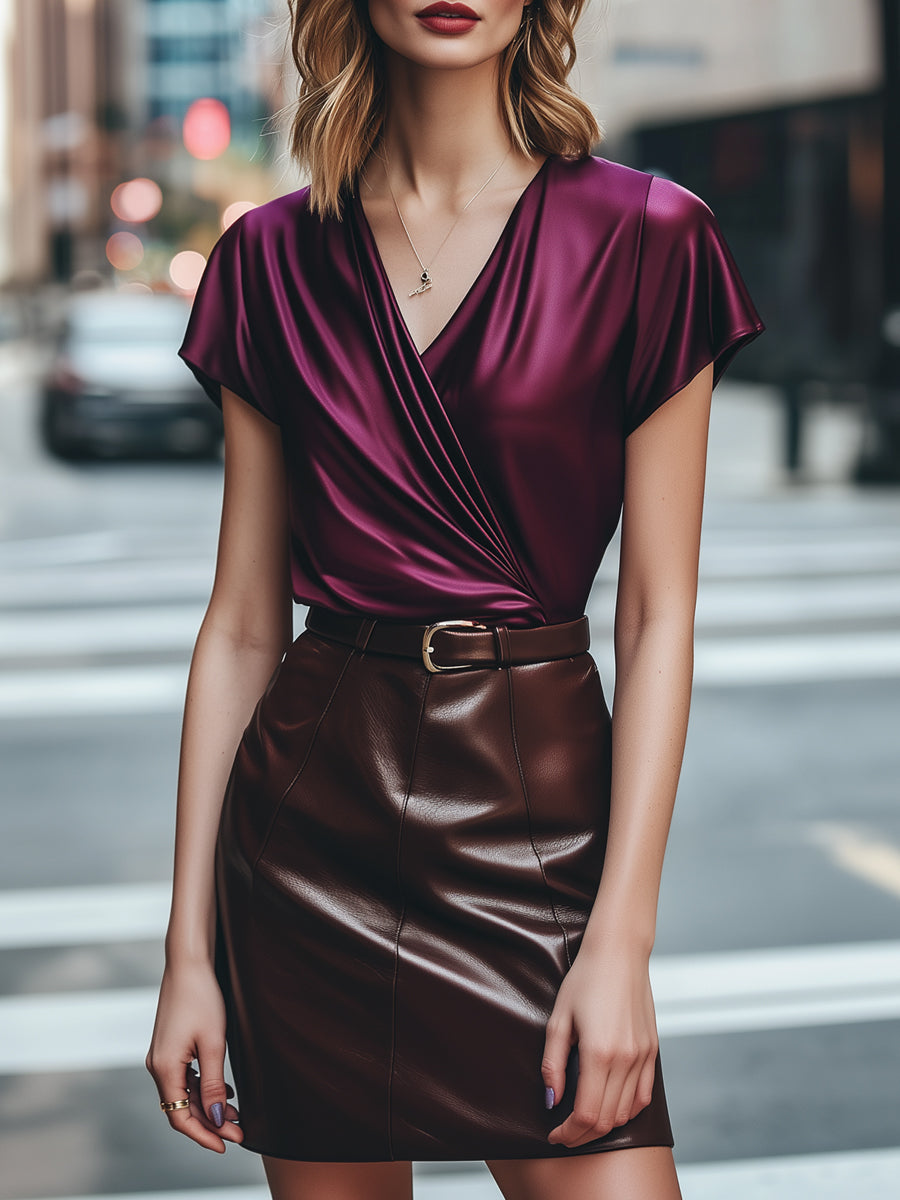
(890, 24)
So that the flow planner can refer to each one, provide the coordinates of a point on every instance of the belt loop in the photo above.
(501, 637)
(363, 633)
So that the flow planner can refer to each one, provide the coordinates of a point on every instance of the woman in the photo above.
(446, 368)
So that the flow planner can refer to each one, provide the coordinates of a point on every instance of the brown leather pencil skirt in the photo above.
(406, 861)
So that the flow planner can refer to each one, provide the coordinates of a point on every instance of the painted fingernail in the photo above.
(215, 1111)
(549, 1097)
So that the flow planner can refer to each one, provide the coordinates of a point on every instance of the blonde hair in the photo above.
(340, 109)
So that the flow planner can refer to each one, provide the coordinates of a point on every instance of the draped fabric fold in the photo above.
(482, 478)
(421, 410)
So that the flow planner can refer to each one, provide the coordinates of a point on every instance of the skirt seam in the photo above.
(409, 780)
(521, 773)
(312, 741)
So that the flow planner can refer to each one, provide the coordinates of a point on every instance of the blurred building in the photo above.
(771, 111)
(194, 48)
(6, 27)
(779, 114)
(94, 92)
(60, 112)
(651, 60)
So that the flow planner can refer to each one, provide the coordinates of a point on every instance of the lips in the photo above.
(448, 9)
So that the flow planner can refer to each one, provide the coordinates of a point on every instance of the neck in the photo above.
(443, 132)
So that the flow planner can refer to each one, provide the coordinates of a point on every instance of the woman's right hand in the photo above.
(190, 1024)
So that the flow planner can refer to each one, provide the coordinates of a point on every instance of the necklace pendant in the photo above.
(424, 285)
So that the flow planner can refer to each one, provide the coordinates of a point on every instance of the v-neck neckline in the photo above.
(452, 320)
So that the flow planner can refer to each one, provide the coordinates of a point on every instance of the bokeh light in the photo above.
(124, 250)
(235, 210)
(185, 270)
(206, 129)
(136, 200)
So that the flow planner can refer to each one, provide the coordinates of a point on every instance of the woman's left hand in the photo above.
(605, 1005)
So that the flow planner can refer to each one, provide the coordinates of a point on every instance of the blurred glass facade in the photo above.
(785, 119)
(97, 93)
(203, 47)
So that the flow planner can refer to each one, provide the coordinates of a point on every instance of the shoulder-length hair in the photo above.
(340, 108)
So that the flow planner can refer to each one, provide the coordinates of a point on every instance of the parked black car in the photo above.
(117, 386)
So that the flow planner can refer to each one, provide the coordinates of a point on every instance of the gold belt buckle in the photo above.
(428, 649)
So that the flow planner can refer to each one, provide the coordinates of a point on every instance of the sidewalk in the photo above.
(746, 443)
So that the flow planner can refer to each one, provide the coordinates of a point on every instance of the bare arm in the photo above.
(654, 645)
(244, 633)
(605, 1002)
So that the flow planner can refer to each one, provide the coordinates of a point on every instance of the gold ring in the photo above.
(168, 1105)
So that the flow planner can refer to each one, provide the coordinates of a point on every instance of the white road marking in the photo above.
(97, 631)
(797, 555)
(697, 994)
(106, 583)
(758, 604)
(847, 1175)
(862, 853)
(718, 662)
(802, 658)
(782, 659)
(94, 691)
(111, 1028)
(837, 1175)
(62, 550)
(80, 916)
(793, 551)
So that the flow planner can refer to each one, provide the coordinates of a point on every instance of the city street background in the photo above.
(783, 866)
(776, 969)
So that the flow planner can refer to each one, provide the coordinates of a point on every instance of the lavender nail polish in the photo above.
(215, 1111)
(549, 1097)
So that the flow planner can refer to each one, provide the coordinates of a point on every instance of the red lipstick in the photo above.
(445, 16)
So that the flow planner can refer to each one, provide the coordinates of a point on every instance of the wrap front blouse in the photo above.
(483, 477)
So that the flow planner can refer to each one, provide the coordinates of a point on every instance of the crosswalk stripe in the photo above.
(92, 691)
(859, 851)
(765, 602)
(805, 658)
(792, 550)
(833, 1175)
(110, 1028)
(728, 662)
(79, 916)
(695, 995)
(102, 567)
(97, 631)
(799, 555)
(49, 590)
(101, 913)
(758, 604)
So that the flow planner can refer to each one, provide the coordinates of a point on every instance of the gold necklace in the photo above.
(426, 278)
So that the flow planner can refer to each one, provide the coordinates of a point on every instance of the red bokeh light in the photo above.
(206, 130)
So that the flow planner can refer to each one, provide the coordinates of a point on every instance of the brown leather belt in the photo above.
(455, 644)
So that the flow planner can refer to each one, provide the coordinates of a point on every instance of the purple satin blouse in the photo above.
(482, 478)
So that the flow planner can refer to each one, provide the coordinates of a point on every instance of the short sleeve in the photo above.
(218, 344)
(691, 307)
